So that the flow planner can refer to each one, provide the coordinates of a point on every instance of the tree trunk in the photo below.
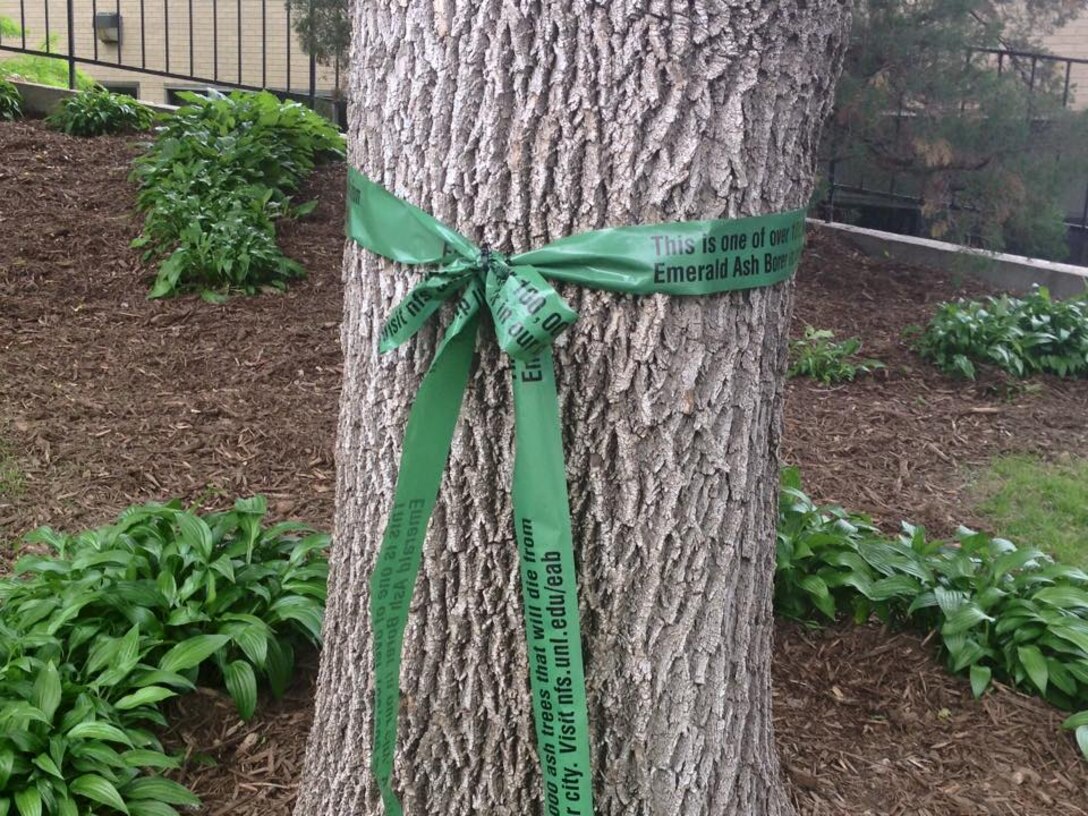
(518, 123)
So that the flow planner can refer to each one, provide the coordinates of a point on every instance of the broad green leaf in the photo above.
(98, 789)
(97, 754)
(47, 690)
(147, 807)
(123, 662)
(1060, 677)
(99, 731)
(66, 807)
(893, 587)
(46, 763)
(144, 696)
(964, 618)
(160, 790)
(147, 758)
(197, 532)
(980, 679)
(192, 652)
(1073, 634)
(1076, 721)
(255, 505)
(158, 677)
(28, 802)
(308, 613)
(20, 710)
(1034, 664)
(1082, 739)
(242, 685)
(252, 639)
(280, 665)
(1063, 597)
(7, 764)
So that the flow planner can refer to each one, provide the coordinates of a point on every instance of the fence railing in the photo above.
(244, 44)
(1028, 66)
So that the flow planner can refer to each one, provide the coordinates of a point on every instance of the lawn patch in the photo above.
(1044, 504)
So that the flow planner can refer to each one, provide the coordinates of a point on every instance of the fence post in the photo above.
(313, 60)
(71, 46)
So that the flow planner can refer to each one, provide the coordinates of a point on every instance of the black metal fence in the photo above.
(243, 44)
(1030, 67)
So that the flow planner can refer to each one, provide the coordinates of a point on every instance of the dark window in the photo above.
(130, 88)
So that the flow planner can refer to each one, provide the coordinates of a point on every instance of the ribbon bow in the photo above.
(683, 258)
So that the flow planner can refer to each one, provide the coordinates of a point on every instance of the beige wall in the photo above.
(153, 55)
(1072, 41)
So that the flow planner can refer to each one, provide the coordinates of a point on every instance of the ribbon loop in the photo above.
(527, 311)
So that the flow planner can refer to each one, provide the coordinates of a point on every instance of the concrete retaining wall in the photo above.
(42, 100)
(1013, 273)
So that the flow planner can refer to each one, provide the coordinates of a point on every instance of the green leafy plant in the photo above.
(1001, 611)
(112, 622)
(1021, 336)
(219, 175)
(98, 112)
(819, 356)
(11, 102)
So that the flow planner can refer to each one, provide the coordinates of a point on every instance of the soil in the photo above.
(107, 398)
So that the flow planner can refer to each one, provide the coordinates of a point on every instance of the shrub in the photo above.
(1001, 611)
(212, 186)
(114, 621)
(11, 102)
(98, 112)
(1021, 336)
(819, 356)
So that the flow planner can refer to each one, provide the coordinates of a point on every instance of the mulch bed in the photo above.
(107, 399)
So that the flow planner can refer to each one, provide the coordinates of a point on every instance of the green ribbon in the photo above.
(680, 258)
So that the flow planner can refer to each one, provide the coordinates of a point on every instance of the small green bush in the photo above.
(98, 112)
(1021, 336)
(1001, 611)
(819, 356)
(97, 633)
(212, 186)
(11, 101)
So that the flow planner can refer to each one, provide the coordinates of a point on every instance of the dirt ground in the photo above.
(107, 399)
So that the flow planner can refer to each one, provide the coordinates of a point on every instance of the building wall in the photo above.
(163, 43)
(1072, 41)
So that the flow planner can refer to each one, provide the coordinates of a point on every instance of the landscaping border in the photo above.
(1015, 273)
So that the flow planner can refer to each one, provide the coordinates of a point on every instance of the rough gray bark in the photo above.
(519, 122)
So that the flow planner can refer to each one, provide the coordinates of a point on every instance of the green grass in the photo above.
(1038, 504)
(11, 477)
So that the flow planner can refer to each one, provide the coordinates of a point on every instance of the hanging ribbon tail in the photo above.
(395, 229)
(549, 590)
(410, 314)
(528, 312)
(427, 440)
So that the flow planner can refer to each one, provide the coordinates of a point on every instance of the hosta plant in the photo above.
(220, 174)
(98, 112)
(11, 102)
(1021, 336)
(828, 361)
(1001, 611)
(103, 627)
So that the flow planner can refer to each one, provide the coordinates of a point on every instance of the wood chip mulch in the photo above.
(107, 399)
